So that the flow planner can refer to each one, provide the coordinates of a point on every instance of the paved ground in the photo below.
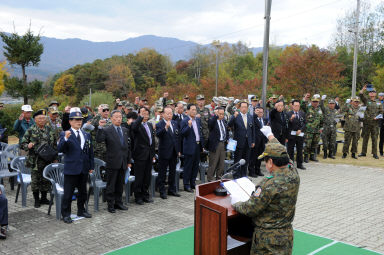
(336, 201)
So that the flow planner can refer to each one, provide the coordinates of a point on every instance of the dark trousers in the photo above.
(381, 143)
(298, 142)
(163, 165)
(191, 168)
(70, 183)
(3, 210)
(254, 162)
(242, 153)
(143, 174)
(281, 139)
(115, 186)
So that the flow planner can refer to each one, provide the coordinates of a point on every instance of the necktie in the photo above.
(170, 126)
(221, 126)
(148, 132)
(261, 122)
(120, 135)
(245, 120)
(296, 115)
(78, 137)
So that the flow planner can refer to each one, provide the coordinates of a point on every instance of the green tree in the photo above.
(3, 73)
(65, 85)
(24, 51)
(15, 87)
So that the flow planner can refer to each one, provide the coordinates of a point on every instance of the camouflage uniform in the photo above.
(205, 115)
(351, 128)
(314, 123)
(38, 136)
(370, 125)
(100, 149)
(329, 132)
(272, 207)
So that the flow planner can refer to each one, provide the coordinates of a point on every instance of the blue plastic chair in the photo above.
(55, 174)
(23, 179)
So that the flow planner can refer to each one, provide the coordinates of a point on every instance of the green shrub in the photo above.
(98, 98)
(8, 115)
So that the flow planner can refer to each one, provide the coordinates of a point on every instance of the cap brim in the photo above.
(264, 154)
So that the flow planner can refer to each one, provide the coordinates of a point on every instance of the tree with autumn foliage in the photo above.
(307, 69)
(65, 85)
(120, 80)
(3, 73)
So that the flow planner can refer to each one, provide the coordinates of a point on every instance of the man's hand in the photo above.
(102, 123)
(198, 115)
(117, 100)
(21, 117)
(216, 112)
(67, 134)
(67, 109)
(253, 145)
(298, 132)
(179, 154)
(167, 124)
(30, 145)
(190, 123)
(129, 121)
(292, 117)
(91, 171)
(235, 114)
(323, 97)
(307, 96)
(129, 165)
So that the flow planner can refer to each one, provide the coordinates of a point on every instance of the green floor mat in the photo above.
(342, 248)
(305, 243)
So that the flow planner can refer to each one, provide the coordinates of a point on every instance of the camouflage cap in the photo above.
(159, 109)
(53, 102)
(316, 98)
(170, 102)
(53, 109)
(129, 106)
(355, 99)
(274, 96)
(275, 150)
(200, 97)
(331, 101)
(119, 104)
(104, 106)
(186, 97)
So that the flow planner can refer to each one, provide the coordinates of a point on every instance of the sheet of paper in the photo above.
(380, 116)
(237, 193)
(301, 134)
(231, 145)
(293, 132)
(246, 184)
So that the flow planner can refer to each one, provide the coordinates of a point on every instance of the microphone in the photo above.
(221, 191)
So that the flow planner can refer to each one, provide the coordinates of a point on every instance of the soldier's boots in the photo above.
(306, 158)
(330, 155)
(313, 158)
(345, 155)
(37, 200)
(375, 156)
(354, 156)
(43, 199)
(325, 155)
(362, 155)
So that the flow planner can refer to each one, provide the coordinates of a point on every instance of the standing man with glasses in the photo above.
(143, 156)
(118, 159)
(78, 162)
(296, 129)
(100, 149)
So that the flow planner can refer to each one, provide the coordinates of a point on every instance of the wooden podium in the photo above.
(213, 216)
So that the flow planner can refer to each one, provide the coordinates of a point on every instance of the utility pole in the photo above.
(356, 49)
(217, 45)
(268, 4)
(90, 97)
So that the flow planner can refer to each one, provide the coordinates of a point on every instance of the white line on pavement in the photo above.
(323, 247)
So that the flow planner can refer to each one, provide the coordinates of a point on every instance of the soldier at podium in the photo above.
(272, 204)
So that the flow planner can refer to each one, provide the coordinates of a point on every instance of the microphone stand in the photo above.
(220, 190)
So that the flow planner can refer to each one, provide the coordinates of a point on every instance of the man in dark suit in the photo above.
(192, 146)
(78, 162)
(143, 155)
(218, 136)
(279, 122)
(169, 148)
(260, 141)
(118, 159)
(243, 129)
(296, 128)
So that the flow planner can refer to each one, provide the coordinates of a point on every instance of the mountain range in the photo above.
(61, 54)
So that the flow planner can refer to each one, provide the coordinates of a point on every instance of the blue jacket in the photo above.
(76, 160)
(240, 133)
(189, 138)
(169, 142)
(21, 126)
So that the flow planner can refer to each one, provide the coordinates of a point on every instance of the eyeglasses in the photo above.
(105, 110)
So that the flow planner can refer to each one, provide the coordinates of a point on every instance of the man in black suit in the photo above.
(296, 128)
(118, 159)
(78, 161)
(279, 122)
(192, 146)
(169, 148)
(143, 155)
(243, 129)
(260, 141)
(218, 136)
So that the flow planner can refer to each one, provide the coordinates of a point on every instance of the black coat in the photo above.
(169, 142)
(214, 133)
(279, 124)
(296, 123)
(142, 149)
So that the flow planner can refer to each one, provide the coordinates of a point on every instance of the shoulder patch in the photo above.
(269, 177)
(257, 192)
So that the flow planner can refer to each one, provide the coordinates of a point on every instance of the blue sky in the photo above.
(293, 21)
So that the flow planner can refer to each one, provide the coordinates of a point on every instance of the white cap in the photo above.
(26, 108)
(74, 109)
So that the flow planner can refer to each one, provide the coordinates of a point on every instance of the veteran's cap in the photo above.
(40, 112)
(275, 150)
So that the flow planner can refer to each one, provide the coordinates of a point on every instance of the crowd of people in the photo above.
(135, 135)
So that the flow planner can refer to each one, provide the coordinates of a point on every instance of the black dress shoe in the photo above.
(253, 175)
(375, 157)
(44, 201)
(188, 190)
(147, 200)
(85, 215)
(354, 156)
(139, 201)
(111, 209)
(120, 206)
(163, 196)
(260, 173)
(301, 167)
(362, 155)
(345, 155)
(67, 219)
(171, 193)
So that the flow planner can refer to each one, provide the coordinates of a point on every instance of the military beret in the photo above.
(40, 112)
(275, 150)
